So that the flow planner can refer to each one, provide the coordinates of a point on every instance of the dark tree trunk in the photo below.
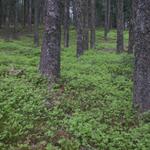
(30, 15)
(1, 13)
(24, 12)
(85, 24)
(142, 56)
(36, 23)
(109, 11)
(120, 26)
(7, 23)
(107, 18)
(66, 23)
(50, 54)
(74, 13)
(79, 17)
(41, 11)
(131, 29)
(92, 24)
(16, 18)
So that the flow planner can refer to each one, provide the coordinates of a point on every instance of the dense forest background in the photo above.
(74, 74)
(22, 13)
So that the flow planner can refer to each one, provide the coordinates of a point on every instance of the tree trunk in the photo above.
(50, 53)
(120, 26)
(109, 11)
(1, 12)
(85, 24)
(30, 15)
(131, 29)
(7, 23)
(41, 11)
(74, 13)
(36, 23)
(16, 18)
(92, 24)
(107, 18)
(66, 23)
(79, 17)
(142, 56)
(24, 12)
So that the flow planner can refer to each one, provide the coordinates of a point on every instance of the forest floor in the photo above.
(90, 108)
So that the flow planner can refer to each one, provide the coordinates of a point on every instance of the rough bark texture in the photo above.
(120, 26)
(36, 23)
(79, 27)
(131, 28)
(92, 24)
(50, 53)
(142, 56)
(66, 23)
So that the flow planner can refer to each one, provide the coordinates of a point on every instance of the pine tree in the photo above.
(142, 56)
(50, 53)
(92, 23)
(66, 22)
(120, 26)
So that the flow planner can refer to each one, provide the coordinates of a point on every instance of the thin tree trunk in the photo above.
(24, 12)
(131, 28)
(120, 26)
(50, 53)
(36, 23)
(30, 15)
(41, 11)
(109, 11)
(7, 24)
(16, 18)
(1, 13)
(92, 24)
(107, 18)
(74, 13)
(79, 17)
(142, 56)
(66, 23)
(85, 24)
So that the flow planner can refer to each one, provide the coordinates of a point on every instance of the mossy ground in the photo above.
(90, 108)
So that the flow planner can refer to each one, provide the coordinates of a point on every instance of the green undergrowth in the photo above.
(90, 108)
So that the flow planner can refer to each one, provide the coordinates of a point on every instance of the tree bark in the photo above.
(92, 24)
(50, 53)
(36, 23)
(120, 26)
(85, 24)
(30, 16)
(66, 23)
(1, 12)
(131, 28)
(16, 18)
(79, 19)
(142, 56)
(74, 13)
(7, 23)
(107, 18)
(24, 12)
